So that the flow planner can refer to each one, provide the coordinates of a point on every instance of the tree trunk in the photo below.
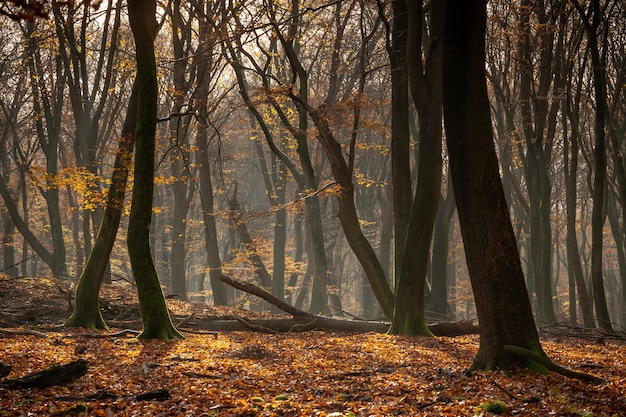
(400, 165)
(502, 302)
(86, 311)
(573, 253)
(535, 118)
(598, 213)
(425, 82)
(154, 314)
(208, 214)
(441, 239)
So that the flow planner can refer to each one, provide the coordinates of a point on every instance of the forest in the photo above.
(373, 168)
(393, 163)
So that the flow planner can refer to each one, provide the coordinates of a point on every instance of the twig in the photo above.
(506, 391)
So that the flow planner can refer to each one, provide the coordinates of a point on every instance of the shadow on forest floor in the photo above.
(243, 373)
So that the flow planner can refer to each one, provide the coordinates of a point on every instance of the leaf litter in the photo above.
(314, 373)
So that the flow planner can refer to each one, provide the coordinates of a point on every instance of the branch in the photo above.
(254, 290)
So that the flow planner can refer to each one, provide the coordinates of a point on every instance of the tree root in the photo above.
(550, 365)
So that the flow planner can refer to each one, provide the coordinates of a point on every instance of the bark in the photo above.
(400, 165)
(573, 252)
(438, 303)
(208, 214)
(53, 375)
(425, 83)
(502, 302)
(598, 212)
(304, 321)
(205, 64)
(154, 314)
(86, 311)
(536, 119)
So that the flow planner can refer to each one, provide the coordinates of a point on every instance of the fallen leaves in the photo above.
(294, 374)
(312, 373)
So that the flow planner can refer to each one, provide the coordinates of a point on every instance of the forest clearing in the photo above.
(315, 373)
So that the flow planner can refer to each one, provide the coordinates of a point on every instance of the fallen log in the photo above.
(304, 321)
(53, 375)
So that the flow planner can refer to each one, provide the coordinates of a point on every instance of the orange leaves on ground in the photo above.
(305, 374)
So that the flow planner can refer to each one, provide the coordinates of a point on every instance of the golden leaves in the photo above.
(313, 373)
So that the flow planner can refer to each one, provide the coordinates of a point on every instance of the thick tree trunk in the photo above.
(400, 165)
(154, 314)
(425, 83)
(502, 302)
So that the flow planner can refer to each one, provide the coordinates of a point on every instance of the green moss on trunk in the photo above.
(154, 314)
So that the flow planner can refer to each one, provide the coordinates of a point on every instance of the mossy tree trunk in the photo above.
(86, 305)
(155, 317)
(425, 88)
(502, 302)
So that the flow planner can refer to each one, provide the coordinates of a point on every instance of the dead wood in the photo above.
(53, 375)
(259, 292)
(24, 332)
(303, 321)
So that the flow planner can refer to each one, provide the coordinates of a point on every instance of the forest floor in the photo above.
(244, 373)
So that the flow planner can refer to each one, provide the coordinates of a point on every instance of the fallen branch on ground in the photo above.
(24, 332)
(53, 375)
(302, 320)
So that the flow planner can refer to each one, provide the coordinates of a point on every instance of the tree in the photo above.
(502, 302)
(154, 314)
(86, 312)
(425, 88)
(206, 66)
(538, 125)
(596, 34)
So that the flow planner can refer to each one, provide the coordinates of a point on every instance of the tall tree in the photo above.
(425, 88)
(502, 302)
(538, 125)
(155, 317)
(206, 66)
(597, 34)
(86, 312)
